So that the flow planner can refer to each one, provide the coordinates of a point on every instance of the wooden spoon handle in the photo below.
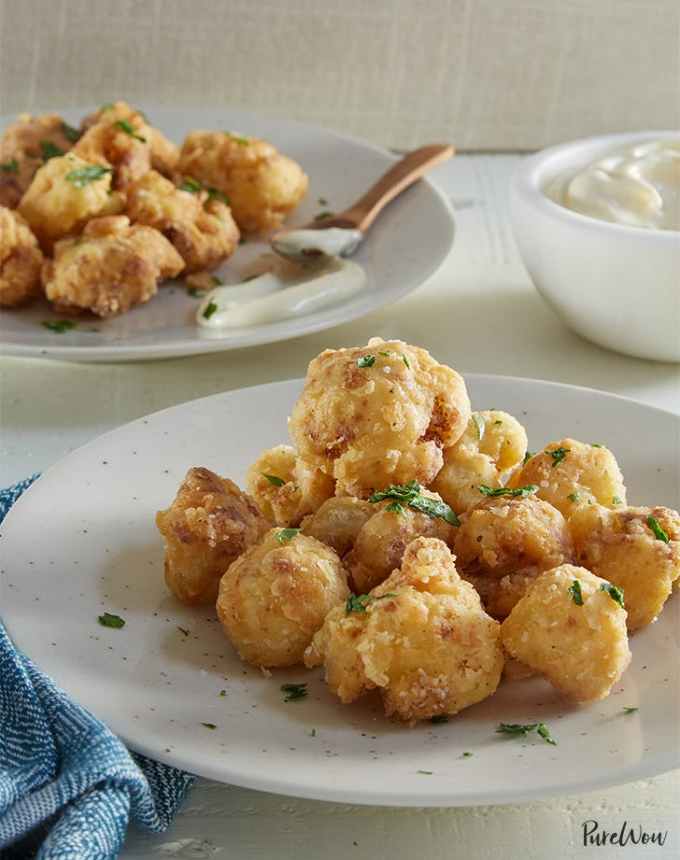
(402, 174)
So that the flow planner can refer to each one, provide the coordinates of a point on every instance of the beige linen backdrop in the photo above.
(486, 74)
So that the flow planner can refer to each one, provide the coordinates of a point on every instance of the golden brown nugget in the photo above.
(637, 549)
(421, 638)
(262, 185)
(493, 445)
(207, 527)
(274, 598)
(378, 415)
(338, 522)
(20, 261)
(569, 474)
(110, 268)
(571, 629)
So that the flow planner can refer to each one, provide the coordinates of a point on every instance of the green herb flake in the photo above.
(466, 755)
(285, 535)
(425, 772)
(576, 593)
(359, 602)
(630, 710)
(11, 166)
(518, 492)
(115, 622)
(480, 424)
(50, 150)
(385, 354)
(312, 733)
(596, 445)
(322, 201)
(196, 292)
(322, 216)
(107, 106)
(82, 176)
(293, 692)
(527, 457)
(216, 194)
(70, 133)
(544, 732)
(366, 361)
(125, 126)
(193, 186)
(558, 454)
(59, 326)
(439, 719)
(497, 422)
(395, 508)
(223, 694)
(411, 494)
(274, 480)
(210, 726)
(615, 593)
(242, 141)
(216, 282)
(658, 530)
(183, 630)
(406, 361)
(210, 309)
(616, 500)
(573, 497)
(523, 729)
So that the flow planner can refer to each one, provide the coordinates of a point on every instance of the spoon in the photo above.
(340, 235)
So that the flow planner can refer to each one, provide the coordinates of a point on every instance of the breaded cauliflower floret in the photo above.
(504, 543)
(493, 444)
(274, 598)
(421, 638)
(570, 473)
(338, 522)
(201, 229)
(164, 153)
(262, 185)
(110, 268)
(286, 487)
(628, 548)
(208, 525)
(569, 628)
(25, 145)
(20, 260)
(64, 194)
(378, 415)
(380, 544)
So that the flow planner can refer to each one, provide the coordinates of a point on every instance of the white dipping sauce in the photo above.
(276, 296)
(638, 185)
(333, 242)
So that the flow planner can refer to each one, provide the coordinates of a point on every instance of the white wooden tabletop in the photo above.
(478, 313)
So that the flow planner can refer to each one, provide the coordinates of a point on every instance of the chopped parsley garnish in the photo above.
(466, 754)
(183, 630)
(439, 719)
(573, 497)
(322, 201)
(576, 593)
(82, 176)
(596, 445)
(293, 692)
(480, 424)
(411, 495)
(386, 354)
(70, 133)
(210, 309)
(615, 593)
(359, 602)
(323, 215)
(616, 500)
(50, 150)
(656, 527)
(191, 185)
(558, 454)
(521, 492)
(223, 693)
(498, 421)
(113, 621)
(395, 508)
(274, 480)
(284, 535)
(630, 710)
(59, 326)
(11, 166)
(523, 729)
(426, 772)
(366, 361)
(312, 733)
(125, 126)
(406, 361)
(216, 194)
(527, 457)
(196, 292)
(210, 726)
(217, 282)
(242, 141)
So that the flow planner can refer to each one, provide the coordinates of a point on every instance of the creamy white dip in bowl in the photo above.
(615, 284)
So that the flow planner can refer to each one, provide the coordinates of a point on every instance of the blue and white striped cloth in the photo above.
(68, 786)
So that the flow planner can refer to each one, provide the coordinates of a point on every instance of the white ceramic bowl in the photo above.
(615, 285)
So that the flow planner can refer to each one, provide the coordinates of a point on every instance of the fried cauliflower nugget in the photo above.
(338, 522)
(421, 638)
(207, 526)
(274, 598)
(493, 444)
(569, 628)
(628, 547)
(377, 415)
(570, 473)
(381, 542)
(286, 487)
(20, 260)
(262, 185)
(25, 146)
(110, 268)
(202, 230)
(504, 543)
(64, 194)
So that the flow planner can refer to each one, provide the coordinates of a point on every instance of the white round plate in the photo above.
(82, 541)
(406, 245)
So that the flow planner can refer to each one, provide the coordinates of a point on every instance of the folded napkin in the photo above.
(68, 786)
